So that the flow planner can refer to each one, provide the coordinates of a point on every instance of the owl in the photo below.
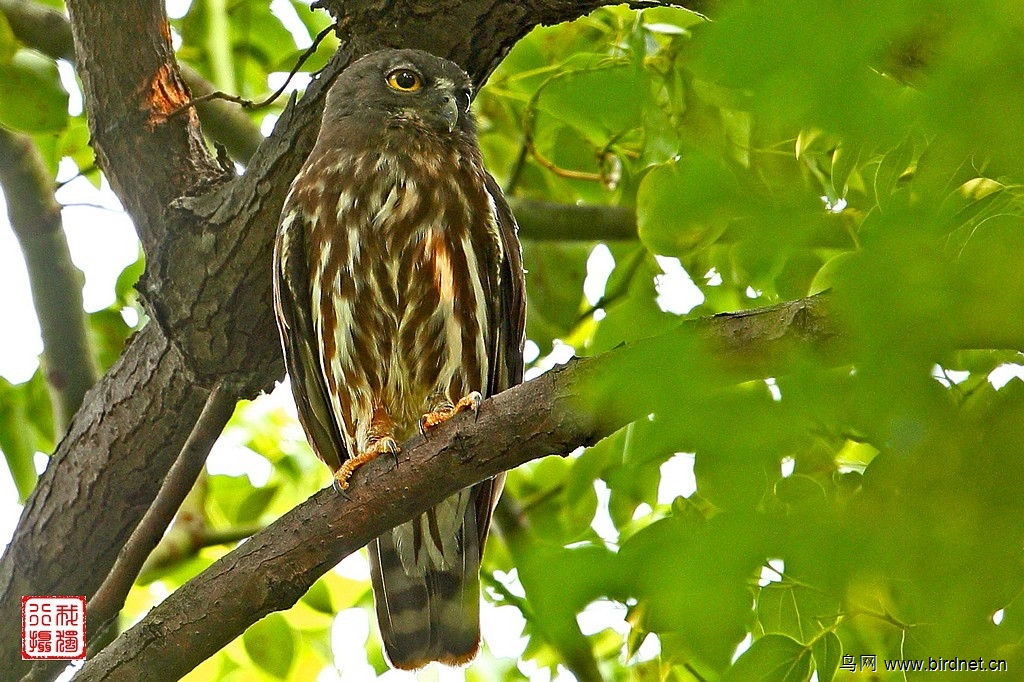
(399, 295)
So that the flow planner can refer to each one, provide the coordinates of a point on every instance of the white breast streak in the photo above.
(346, 206)
(408, 201)
(316, 293)
(322, 292)
(386, 208)
(340, 365)
(481, 310)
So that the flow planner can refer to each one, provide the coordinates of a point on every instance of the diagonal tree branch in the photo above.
(56, 282)
(546, 416)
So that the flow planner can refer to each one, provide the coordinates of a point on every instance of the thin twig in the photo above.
(82, 172)
(248, 103)
(558, 170)
(159, 562)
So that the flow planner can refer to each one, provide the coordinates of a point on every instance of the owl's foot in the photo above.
(386, 444)
(471, 401)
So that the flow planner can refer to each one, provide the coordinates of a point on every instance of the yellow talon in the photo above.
(471, 401)
(348, 467)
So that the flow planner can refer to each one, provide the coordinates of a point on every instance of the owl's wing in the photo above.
(507, 350)
(507, 360)
(292, 300)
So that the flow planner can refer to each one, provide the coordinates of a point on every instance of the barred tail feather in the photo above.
(428, 610)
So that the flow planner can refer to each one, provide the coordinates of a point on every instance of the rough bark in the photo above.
(100, 481)
(207, 237)
(131, 83)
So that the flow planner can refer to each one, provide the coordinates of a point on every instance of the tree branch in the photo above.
(56, 282)
(131, 83)
(224, 122)
(99, 482)
(546, 416)
(181, 545)
(548, 221)
(109, 599)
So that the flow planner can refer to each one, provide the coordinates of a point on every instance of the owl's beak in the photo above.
(450, 112)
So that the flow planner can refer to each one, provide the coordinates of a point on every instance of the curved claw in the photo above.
(348, 467)
(471, 401)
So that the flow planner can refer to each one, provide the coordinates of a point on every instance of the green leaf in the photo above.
(844, 160)
(109, 332)
(808, 139)
(828, 652)
(677, 17)
(74, 142)
(253, 507)
(260, 36)
(893, 165)
(26, 427)
(772, 658)
(32, 98)
(124, 288)
(690, 577)
(579, 498)
(16, 438)
(8, 43)
(270, 643)
(686, 205)
(319, 598)
(795, 610)
(554, 289)
(228, 495)
(801, 490)
(600, 102)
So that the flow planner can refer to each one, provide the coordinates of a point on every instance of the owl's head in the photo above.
(403, 89)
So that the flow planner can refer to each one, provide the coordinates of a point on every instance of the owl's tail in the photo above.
(426, 585)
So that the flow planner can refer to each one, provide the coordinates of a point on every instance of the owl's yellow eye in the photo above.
(405, 80)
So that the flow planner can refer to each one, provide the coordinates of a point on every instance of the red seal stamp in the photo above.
(52, 628)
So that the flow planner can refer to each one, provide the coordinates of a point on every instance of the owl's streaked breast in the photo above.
(400, 297)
